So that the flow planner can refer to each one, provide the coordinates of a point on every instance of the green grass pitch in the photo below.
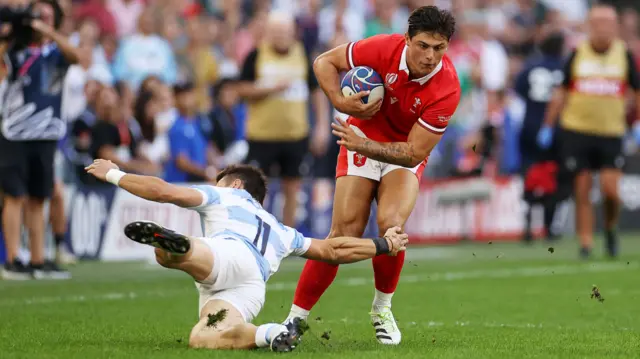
(500, 300)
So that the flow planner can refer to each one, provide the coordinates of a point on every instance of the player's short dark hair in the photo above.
(432, 20)
(253, 179)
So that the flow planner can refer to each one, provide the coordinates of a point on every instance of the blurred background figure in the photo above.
(277, 81)
(592, 110)
(539, 166)
(191, 153)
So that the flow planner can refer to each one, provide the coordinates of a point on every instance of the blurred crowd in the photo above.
(147, 63)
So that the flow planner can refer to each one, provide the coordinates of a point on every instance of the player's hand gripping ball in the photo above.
(363, 91)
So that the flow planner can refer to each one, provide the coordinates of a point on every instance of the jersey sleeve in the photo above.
(435, 117)
(367, 52)
(632, 77)
(210, 196)
(300, 244)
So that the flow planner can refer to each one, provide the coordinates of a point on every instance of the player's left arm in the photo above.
(423, 137)
(147, 187)
(343, 250)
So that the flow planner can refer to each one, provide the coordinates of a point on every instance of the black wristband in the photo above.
(382, 246)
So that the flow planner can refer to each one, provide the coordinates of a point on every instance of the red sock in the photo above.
(386, 271)
(316, 277)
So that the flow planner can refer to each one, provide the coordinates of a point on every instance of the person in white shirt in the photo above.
(243, 245)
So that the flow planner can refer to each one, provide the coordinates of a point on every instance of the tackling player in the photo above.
(242, 248)
(384, 145)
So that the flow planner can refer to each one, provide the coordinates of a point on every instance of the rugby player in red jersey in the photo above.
(384, 145)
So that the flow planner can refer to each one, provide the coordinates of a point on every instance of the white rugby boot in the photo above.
(384, 323)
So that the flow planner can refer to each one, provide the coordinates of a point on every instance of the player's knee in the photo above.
(347, 227)
(389, 220)
(11, 201)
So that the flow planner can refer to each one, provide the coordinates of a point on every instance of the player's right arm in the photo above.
(342, 250)
(328, 66)
(147, 187)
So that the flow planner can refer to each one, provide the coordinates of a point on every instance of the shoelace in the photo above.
(386, 318)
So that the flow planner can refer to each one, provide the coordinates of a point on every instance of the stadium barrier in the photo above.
(446, 211)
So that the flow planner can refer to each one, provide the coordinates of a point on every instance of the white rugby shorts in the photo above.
(236, 278)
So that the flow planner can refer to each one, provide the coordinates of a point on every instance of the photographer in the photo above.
(36, 57)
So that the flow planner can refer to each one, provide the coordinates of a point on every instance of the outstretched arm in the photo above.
(147, 187)
(342, 250)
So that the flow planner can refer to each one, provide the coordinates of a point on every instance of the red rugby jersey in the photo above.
(429, 101)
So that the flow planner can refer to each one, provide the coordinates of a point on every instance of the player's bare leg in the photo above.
(584, 212)
(12, 226)
(351, 209)
(221, 326)
(609, 180)
(290, 188)
(396, 198)
(34, 221)
(174, 250)
(58, 222)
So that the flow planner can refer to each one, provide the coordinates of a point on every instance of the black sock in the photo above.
(549, 213)
(59, 238)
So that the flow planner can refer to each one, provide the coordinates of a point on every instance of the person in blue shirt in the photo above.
(535, 84)
(30, 128)
(188, 144)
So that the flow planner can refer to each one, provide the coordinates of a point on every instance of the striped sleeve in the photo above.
(210, 195)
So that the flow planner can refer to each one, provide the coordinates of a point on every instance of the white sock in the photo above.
(297, 312)
(381, 300)
(267, 332)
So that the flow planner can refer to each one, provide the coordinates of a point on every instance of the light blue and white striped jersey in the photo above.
(230, 212)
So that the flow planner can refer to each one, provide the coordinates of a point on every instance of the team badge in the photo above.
(391, 78)
(359, 160)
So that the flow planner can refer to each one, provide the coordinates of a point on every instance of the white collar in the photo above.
(405, 67)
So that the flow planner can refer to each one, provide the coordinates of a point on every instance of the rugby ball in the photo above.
(363, 78)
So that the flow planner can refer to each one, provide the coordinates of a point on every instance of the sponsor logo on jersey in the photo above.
(444, 119)
(359, 160)
(599, 86)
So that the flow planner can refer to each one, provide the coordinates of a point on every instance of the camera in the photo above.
(20, 19)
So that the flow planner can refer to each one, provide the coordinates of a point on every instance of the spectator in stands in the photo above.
(74, 101)
(308, 27)
(144, 54)
(32, 125)
(228, 129)
(154, 143)
(340, 17)
(128, 12)
(98, 11)
(199, 63)
(113, 139)
(78, 146)
(277, 126)
(247, 38)
(382, 22)
(189, 146)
